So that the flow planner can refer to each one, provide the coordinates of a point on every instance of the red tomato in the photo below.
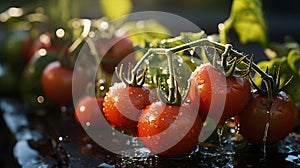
(57, 83)
(283, 118)
(222, 97)
(113, 51)
(123, 105)
(169, 130)
(88, 112)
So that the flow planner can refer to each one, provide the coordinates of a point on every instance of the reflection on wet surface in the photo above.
(54, 139)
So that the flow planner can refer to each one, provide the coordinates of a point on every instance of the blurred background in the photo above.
(283, 17)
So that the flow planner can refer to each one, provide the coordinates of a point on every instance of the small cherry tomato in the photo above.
(169, 130)
(212, 92)
(57, 83)
(123, 105)
(283, 118)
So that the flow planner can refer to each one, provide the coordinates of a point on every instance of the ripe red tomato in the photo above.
(212, 92)
(169, 130)
(123, 105)
(88, 112)
(57, 83)
(283, 118)
(113, 51)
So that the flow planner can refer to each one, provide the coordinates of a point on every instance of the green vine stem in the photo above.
(225, 48)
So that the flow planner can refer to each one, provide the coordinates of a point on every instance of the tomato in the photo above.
(283, 118)
(57, 83)
(88, 112)
(113, 51)
(212, 92)
(169, 130)
(123, 105)
(31, 87)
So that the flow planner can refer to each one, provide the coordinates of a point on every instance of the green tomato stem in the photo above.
(206, 42)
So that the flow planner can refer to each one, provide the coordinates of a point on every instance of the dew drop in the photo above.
(202, 81)
(265, 137)
(82, 109)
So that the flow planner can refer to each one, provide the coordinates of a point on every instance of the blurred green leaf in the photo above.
(293, 59)
(145, 31)
(289, 67)
(247, 19)
(114, 9)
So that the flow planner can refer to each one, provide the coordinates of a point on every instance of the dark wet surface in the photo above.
(54, 139)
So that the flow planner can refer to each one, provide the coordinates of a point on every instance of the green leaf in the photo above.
(145, 31)
(247, 19)
(293, 59)
(114, 9)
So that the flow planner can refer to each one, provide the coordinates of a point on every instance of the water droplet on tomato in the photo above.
(202, 81)
(88, 124)
(82, 109)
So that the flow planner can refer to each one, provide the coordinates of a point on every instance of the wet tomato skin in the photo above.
(57, 83)
(123, 105)
(283, 118)
(169, 130)
(210, 87)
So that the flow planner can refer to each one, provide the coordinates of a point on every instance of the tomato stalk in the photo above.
(227, 50)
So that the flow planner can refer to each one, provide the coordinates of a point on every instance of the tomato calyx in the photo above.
(133, 78)
(275, 83)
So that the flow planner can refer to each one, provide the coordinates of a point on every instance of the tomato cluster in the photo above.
(165, 127)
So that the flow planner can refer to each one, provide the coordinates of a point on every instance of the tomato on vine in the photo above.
(207, 82)
(270, 114)
(123, 105)
(170, 130)
(57, 83)
(283, 118)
